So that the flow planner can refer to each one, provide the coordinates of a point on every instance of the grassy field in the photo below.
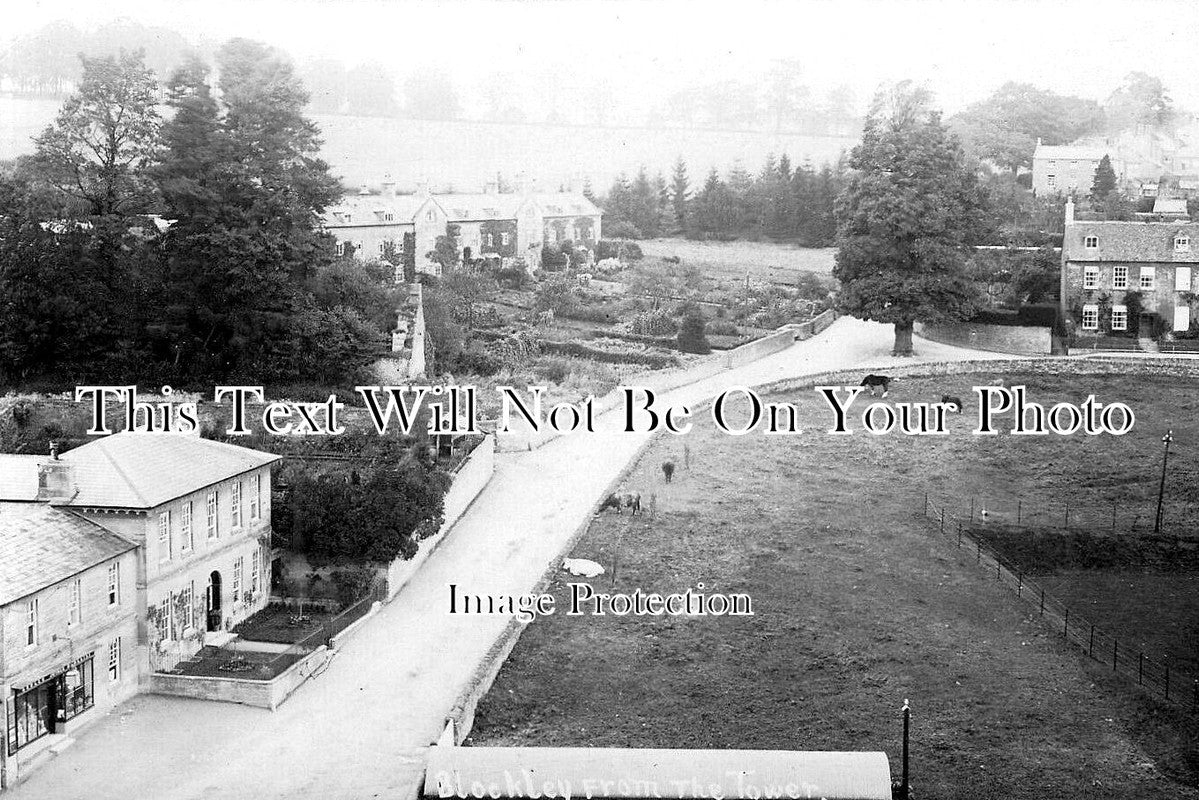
(763, 260)
(859, 606)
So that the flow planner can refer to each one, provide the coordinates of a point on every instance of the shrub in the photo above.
(512, 277)
(721, 327)
(654, 323)
(692, 338)
(623, 230)
(353, 583)
(477, 361)
(552, 370)
(588, 314)
(630, 251)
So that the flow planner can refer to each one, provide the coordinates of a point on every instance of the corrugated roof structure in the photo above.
(1133, 242)
(144, 470)
(578, 772)
(41, 545)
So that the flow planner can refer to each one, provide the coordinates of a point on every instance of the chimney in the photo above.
(491, 187)
(422, 187)
(54, 450)
(1038, 141)
(389, 189)
(522, 185)
(363, 190)
(1070, 210)
(55, 480)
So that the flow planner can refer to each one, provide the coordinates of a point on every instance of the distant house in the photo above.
(1106, 263)
(117, 559)
(509, 226)
(1067, 169)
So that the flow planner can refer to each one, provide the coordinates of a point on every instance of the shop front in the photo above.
(46, 706)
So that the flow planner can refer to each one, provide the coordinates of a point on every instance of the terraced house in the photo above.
(506, 226)
(1130, 278)
(118, 558)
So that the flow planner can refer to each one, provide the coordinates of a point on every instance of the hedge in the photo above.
(652, 360)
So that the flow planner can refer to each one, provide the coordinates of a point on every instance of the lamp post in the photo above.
(1161, 488)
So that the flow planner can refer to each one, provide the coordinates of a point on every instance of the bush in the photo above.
(552, 370)
(652, 360)
(630, 251)
(624, 230)
(476, 361)
(512, 277)
(588, 314)
(692, 338)
(654, 323)
(721, 327)
(353, 583)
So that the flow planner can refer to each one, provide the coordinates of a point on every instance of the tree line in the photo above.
(780, 202)
(182, 246)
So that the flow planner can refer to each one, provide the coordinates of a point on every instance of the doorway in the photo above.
(212, 602)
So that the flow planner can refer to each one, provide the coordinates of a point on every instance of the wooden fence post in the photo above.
(1019, 583)
(1042, 602)
(1019, 508)
(959, 534)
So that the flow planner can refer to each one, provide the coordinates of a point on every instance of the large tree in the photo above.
(1105, 179)
(906, 219)
(104, 138)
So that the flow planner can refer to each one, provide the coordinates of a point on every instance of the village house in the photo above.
(506, 226)
(117, 559)
(1067, 169)
(1123, 278)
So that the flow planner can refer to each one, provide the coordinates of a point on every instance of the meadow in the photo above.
(860, 604)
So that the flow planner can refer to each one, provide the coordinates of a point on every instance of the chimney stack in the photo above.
(363, 190)
(54, 450)
(522, 185)
(422, 187)
(1070, 209)
(389, 189)
(491, 187)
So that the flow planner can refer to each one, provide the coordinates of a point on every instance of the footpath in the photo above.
(360, 729)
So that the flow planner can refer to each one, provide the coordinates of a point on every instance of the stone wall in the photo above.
(261, 694)
(1015, 339)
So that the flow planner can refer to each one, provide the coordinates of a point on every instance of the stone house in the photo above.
(1067, 169)
(1129, 277)
(117, 559)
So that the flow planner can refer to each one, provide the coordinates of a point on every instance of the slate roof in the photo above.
(462, 207)
(145, 470)
(1069, 152)
(565, 204)
(41, 545)
(1148, 242)
(18, 476)
(369, 209)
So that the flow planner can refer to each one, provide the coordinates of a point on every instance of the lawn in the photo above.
(764, 261)
(282, 625)
(858, 605)
(212, 662)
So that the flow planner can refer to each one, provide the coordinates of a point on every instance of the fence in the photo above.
(1116, 517)
(328, 630)
(1151, 674)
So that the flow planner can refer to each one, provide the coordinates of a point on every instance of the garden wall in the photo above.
(261, 694)
(467, 480)
(1019, 340)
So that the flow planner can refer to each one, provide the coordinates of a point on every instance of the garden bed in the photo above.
(215, 662)
(277, 623)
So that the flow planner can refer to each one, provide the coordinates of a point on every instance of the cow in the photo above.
(668, 470)
(629, 500)
(881, 381)
(950, 400)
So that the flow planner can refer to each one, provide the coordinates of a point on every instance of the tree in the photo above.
(680, 194)
(1105, 179)
(906, 219)
(467, 290)
(104, 138)
(1141, 100)
(691, 336)
(446, 251)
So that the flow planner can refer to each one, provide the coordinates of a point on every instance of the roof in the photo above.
(1147, 242)
(1069, 152)
(1170, 205)
(565, 204)
(371, 209)
(480, 206)
(41, 545)
(145, 470)
(525, 772)
(18, 476)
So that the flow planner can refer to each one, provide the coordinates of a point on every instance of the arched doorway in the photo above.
(212, 601)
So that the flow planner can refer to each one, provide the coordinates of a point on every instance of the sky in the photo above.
(645, 48)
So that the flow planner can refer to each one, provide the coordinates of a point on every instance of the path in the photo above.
(358, 730)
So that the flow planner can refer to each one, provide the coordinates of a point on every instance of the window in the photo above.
(211, 504)
(349, 218)
(1090, 242)
(504, 239)
(235, 505)
(1051, 181)
(382, 248)
(114, 659)
(237, 568)
(162, 622)
(400, 246)
(1119, 277)
(340, 249)
(71, 693)
(389, 217)
(75, 613)
(1119, 318)
(1182, 244)
(255, 569)
(255, 496)
(31, 623)
(1182, 279)
(114, 584)
(185, 528)
(1147, 278)
(1182, 318)
(490, 240)
(430, 216)
(164, 536)
(1090, 318)
(1090, 277)
(186, 607)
